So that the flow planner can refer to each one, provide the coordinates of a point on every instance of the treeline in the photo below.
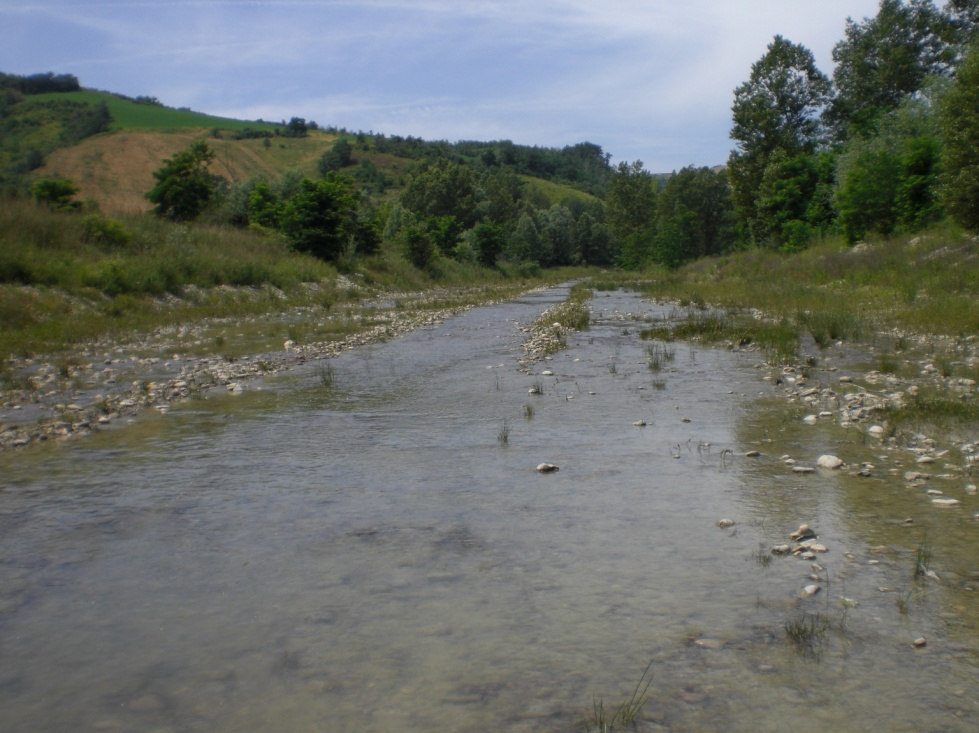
(40, 83)
(888, 144)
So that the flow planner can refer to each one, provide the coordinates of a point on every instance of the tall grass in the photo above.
(832, 291)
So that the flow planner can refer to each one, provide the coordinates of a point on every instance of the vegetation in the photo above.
(627, 713)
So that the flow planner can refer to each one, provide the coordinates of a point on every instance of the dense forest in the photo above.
(888, 143)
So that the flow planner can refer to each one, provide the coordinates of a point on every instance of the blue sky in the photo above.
(648, 80)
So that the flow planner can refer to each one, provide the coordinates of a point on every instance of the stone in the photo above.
(805, 532)
(811, 590)
(810, 419)
(876, 431)
(725, 523)
(803, 469)
(919, 642)
(752, 454)
(830, 462)
(945, 502)
(709, 643)
(547, 468)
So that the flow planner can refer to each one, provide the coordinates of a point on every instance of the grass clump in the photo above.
(807, 633)
(626, 714)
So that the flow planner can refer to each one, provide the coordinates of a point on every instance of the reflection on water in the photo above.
(371, 556)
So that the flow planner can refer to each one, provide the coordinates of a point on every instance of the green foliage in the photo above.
(959, 113)
(184, 187)
(883, 60)
(694, 216)
(418, 247)
(775, 111)
(488, 241)
(443, 189)
(630, 204)
(889, 181)
(337, 157)
(58, 193)
(321, 218)
(106, 232)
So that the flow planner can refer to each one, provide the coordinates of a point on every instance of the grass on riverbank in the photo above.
(69, 278)
(922, 284)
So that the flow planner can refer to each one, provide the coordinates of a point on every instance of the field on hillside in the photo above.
(130, 115)
(115, 169)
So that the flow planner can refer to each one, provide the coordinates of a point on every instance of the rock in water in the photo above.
(829, 461)
(546, 467)
(805, 532)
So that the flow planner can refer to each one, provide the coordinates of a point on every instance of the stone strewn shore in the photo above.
(110, 383)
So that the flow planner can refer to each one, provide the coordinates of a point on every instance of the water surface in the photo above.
(372, 555)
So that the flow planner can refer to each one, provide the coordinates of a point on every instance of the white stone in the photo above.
(810, 419)
(829, 461)
(546, 467)
(945, 502)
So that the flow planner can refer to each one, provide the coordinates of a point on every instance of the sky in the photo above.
(648, 80)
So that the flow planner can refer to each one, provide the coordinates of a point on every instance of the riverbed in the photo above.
(364, 543)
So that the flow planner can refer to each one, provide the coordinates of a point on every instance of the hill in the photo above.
(109, 145)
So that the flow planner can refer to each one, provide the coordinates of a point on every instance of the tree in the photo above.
(694, 216)
(184, 187)
(777, 109)
(57, 193)
(443, 189)
(959, 115)
(889, 181)
(488, 239)
(630, 204)
(883, 60)
(337, 157)
(321, 219)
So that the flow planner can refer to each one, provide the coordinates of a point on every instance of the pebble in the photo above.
(811, 590)
(725, 523)
(709, 643)
(547, 468)
(919, 642)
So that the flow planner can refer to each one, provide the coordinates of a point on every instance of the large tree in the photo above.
(776, 110)
(960, 156)
(883, 60)
(184, 186)
(321, 218)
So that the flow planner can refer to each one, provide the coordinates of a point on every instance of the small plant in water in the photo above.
(528, 412)
(627, 713)
(657, 355)
(327, 377)
(503, 437)
(807, 633)
(922, 560)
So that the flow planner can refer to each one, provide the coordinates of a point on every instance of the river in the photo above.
(364, 544)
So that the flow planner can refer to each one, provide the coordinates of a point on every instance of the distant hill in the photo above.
(109, 145)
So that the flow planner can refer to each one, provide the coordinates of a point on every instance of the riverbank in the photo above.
(101, 384)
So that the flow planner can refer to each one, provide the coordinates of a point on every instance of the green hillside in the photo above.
(130, 114)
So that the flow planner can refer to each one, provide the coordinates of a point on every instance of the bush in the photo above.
(104, 231)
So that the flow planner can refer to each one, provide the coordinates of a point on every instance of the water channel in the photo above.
(370, 548)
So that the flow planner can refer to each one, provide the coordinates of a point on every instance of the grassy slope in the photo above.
(115, 170)
(128, 115)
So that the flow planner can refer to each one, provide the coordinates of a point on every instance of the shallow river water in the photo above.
(368, 547)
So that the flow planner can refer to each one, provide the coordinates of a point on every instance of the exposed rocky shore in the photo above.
(110, 381)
